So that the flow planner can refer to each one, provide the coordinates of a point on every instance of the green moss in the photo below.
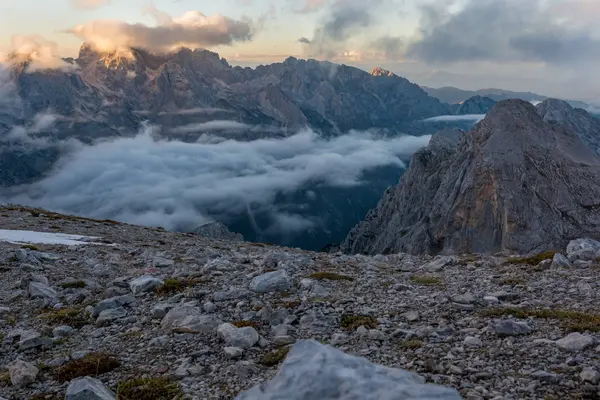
(275, 357)
(532, 260)
(468, 259)
(426, 280)
(291, 304)
(5, 379)
(73, 285)
(572, 321)
(92, 364)
(149, 389)
(74, 317)
(352, 322)
(30, 247)
(330, 276)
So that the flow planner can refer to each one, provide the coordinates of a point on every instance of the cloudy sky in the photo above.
(548, 46)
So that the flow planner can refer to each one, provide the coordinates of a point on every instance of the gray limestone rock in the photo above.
(244, 338)
(218, 230)
(145, 284)
(113, 302)
(514, 183)
(315, 371)
(88, 388)
(511, 328)
(575, 342)
(22, 373)
(276, 281)
(189, 319)
(560, 261)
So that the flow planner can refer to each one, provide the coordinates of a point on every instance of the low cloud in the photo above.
(41, 54)
(454, 118)
(179, 185)
(211, 126)
(193, 29)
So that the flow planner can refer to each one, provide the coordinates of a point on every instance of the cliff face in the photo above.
(516, 183)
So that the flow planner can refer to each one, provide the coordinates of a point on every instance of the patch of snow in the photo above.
(19, 237)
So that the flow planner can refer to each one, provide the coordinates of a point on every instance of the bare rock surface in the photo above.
(482, 326)
(517, 183)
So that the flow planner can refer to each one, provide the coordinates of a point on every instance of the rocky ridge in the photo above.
(515, 183)
(130, 309)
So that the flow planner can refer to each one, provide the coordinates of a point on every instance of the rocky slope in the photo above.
(473, 105)
(139, 309)
(515, 183)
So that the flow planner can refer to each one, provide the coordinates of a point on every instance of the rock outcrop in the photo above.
(218, 230)
(473, 105)
(515, 183)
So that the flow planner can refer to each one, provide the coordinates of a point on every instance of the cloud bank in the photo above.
(89, 4)
(178, 185)
(40, 53)
(193, 29)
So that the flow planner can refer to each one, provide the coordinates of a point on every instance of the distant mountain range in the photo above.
(452, 95)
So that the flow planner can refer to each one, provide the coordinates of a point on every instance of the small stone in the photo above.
(106, 317)
(161, 262)
(473, 341)
(590, 375)
(88, 388)
(491, 299)
(32, 339)
(575, 342)
(362, 331)
(511, 328)
(161, 309)
(283, 340)
(145, 283)
(209, 307)
(243, 338)
(113, 302)
(160, 341)
(376, 334)
(439, 263)
(411, 316)
(338, 338)
(466, 298)
(546, 376)
(189, 319)
(41, 290)
(276, 281)
(62, 331)
(233, 352)
(22, 373)
(560, 261)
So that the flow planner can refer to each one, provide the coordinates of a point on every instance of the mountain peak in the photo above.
(378, 71)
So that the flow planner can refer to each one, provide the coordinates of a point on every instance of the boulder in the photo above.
(189, 319)
(22, 373)
(88, 389)
(144, 284)
(244, 338)
(315, 371)
(276, 281)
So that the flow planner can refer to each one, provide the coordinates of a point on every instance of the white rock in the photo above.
(590, 375)
(88, 389)
(106, 317)
(62, 331)
(243, 338)
(145, 283)
(473, 341)
(560, 261)
(190, 319)
(439, 263)
(575, 342)
(22, 373)
(41, 290)
(233, 352)
(276, 281)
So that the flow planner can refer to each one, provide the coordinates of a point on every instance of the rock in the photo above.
(276, 281)
(582, 244)
(560, 261)
(439, 263)
(243, 338)
(314, 371)
(190, 319)
(231, 294)
(473, 341)
(113, 302)
(62, 331)
(466, 298)
(145, 283)
(509, 327)
(545, 376)
(575, 342)
(107, 317)
(233, 352)
(22, 373)
(591, 375)
(218, 230)
(88, 388)
(161, 309)
(411, 316)
(43, 291)
(161, 262)
(209, 307)
(438, 206)
(32, 339)
(283, 340)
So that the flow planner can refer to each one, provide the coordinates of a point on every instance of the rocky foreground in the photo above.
(146, 314)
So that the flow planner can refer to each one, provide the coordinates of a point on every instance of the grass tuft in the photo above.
(426, 280)
(511, 281)
(412, 344)
(149, 389)
(74, 317)
(92, 364)
(352, 322)
(243, 324)
(174, 285)
(73, 285)
(330, 276)
(532, 260)
(275, 357)
(30, 247)
(572, 321)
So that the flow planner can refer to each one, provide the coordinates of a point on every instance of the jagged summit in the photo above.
(378, 71)
(515, 183)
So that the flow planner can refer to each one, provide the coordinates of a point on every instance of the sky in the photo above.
(551, 47)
